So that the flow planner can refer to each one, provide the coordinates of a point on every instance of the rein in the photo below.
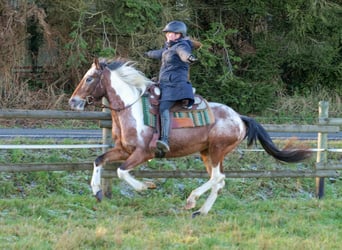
(90, 101)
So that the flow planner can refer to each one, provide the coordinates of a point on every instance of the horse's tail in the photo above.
(256, 131)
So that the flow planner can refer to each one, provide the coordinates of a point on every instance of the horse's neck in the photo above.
(126, 103)
(126, 109)
(124, 99)
(128, 123)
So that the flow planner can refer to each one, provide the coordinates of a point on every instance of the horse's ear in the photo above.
(97, 63)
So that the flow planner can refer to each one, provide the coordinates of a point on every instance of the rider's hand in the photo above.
(192, 59)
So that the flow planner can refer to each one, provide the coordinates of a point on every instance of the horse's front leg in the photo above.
(137, 157)
(96, 182)
(127, 177)
(115, 154)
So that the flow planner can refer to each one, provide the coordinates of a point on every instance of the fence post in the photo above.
(322, 144)
(106, 140)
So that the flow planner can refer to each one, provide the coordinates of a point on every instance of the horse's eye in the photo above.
(89, 80)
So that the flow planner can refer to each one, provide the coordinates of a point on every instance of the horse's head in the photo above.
(90, 87)
(121, 83)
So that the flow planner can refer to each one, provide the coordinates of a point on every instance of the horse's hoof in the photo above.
(190, 205)
(99, 196)
(150, 185)
(195, 214)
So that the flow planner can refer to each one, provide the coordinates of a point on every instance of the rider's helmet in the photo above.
(177, 27)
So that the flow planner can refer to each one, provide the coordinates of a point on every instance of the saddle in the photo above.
(182, 116)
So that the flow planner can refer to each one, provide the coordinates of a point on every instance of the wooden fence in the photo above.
(323, 167)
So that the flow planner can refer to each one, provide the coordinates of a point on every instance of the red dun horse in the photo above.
(123, 86)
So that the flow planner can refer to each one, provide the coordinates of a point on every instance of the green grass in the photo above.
(156, 220)
(55, 210)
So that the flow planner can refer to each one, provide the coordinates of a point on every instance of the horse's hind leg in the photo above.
(210, 200)
(215, 183)
(217, 179)
(195, 194)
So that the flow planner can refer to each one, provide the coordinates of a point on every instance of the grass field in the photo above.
(55, 210)
(157, 220)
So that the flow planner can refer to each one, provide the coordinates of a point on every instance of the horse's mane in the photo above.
(125, 70)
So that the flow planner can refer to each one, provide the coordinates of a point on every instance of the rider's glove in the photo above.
(192, 59)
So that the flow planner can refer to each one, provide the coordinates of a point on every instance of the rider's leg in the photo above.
(165, 121)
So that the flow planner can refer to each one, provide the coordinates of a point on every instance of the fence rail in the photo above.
(110, 173)
(323, 167)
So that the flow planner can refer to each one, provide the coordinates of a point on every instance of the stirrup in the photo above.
(163, 146)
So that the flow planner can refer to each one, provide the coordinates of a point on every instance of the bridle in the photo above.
(90, 100)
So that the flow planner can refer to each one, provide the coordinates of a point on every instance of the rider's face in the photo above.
(172, 36)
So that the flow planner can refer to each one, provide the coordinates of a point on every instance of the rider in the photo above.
(176, 55)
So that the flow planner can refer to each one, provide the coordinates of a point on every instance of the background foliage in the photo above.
(254, 52)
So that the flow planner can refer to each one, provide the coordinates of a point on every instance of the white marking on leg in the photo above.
(212, 198)
(96, 179)
(216, 177)
(125, 175)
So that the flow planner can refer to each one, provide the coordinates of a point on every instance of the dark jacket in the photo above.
(174, 70)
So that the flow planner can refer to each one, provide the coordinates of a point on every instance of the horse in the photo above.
(123, 85)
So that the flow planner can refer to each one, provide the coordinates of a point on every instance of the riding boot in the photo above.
(163, 143)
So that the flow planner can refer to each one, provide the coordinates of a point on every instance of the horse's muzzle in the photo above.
(77, 103)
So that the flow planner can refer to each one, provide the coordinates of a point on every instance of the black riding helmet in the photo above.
(176, 27)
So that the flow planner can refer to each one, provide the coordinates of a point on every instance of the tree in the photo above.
(252, 50)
